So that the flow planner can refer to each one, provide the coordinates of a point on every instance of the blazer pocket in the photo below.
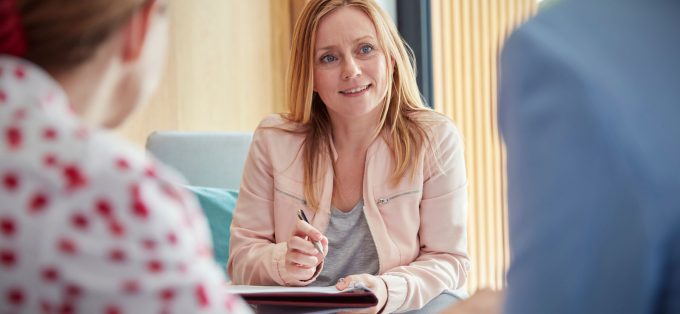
(289, 190)
(400, 212)
(288, 198)
(291, 196)
(382, 201)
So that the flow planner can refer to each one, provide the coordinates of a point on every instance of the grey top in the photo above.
(351, 249)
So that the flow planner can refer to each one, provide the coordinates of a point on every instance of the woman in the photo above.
(87, 223)
(380, 175)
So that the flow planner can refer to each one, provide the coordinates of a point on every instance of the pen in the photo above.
(303, 217)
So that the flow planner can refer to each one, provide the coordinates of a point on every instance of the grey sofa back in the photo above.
(211, 159)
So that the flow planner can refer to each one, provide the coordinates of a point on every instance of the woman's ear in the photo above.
(136, 29)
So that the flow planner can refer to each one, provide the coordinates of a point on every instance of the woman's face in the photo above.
(350, 69)
(144, 73)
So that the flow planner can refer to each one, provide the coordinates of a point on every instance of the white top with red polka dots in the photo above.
(88, 223)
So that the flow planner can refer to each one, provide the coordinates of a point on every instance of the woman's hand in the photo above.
(374, 283)
(302, 258)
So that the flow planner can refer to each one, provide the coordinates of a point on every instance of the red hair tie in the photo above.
(12, 37)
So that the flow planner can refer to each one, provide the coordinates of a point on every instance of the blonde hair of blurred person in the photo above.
(402, 110)
(107, 58)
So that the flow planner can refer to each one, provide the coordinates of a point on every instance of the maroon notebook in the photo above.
(359, 297)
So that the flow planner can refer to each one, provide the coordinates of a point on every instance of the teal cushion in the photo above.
(218, 206)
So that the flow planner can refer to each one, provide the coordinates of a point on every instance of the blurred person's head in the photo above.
(108, 55)
(348, 60)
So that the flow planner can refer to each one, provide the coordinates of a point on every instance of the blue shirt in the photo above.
(589, 110)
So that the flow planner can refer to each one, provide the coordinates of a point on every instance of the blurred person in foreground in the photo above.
(88, 224)
(589, 103)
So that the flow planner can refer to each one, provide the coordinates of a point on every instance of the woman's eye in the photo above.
(327, 59)
(366, 49)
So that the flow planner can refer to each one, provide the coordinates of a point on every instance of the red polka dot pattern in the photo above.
(79, 221)
(7, 258)
(74, 177)
(202, 296)
(50, 160)
(167, 294)
(13, 137)
(112, 309)
(45, 306)
(109, 223)
(7, 227)
(122, 164)
(72, 291)
(154, 266)
(50, 274)
(130, 287)
(67, 246)
(50, 134)
(38, 203)
(104, 208)
(149, 244)
(172, 238)
(67, 308)
(140, 210)
(10, 181)
(19, 114)
(116, 228)
(117, 255)
(15, 296)
(20, 73)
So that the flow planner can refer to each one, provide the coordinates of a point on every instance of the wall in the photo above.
(225, 71)
(467, 36)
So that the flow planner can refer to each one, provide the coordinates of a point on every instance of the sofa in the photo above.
(212, 163)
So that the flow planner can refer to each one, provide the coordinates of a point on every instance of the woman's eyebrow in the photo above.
(330, 47)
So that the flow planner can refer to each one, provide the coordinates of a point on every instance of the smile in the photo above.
(356, 90)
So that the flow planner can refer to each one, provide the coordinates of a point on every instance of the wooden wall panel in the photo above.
(467, 36)
(225, 71)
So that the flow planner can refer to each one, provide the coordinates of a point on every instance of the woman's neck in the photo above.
(354, 134)
(89, 88)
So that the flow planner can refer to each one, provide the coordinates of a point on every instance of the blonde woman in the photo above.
(88, 223)
(379, 175)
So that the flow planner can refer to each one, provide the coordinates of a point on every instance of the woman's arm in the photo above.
(255, 257)
(443, 262)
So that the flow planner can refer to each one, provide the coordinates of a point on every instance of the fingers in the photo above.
(324, 244)
(302, 257)
(299, 272)
(302, 260)
(303, 229)
(373, 283)
(301, 245)
(308, 232)
(354, 281)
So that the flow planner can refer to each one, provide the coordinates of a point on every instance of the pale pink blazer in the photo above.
(418, 225)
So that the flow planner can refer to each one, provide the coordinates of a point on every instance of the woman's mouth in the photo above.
(355, 91)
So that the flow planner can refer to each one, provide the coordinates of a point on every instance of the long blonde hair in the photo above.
(401, 108)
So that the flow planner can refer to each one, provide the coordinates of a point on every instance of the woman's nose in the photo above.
(350, 69)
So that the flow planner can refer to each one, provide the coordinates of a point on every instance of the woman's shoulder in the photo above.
(278, 122)
(436, 124)
(277, 132)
